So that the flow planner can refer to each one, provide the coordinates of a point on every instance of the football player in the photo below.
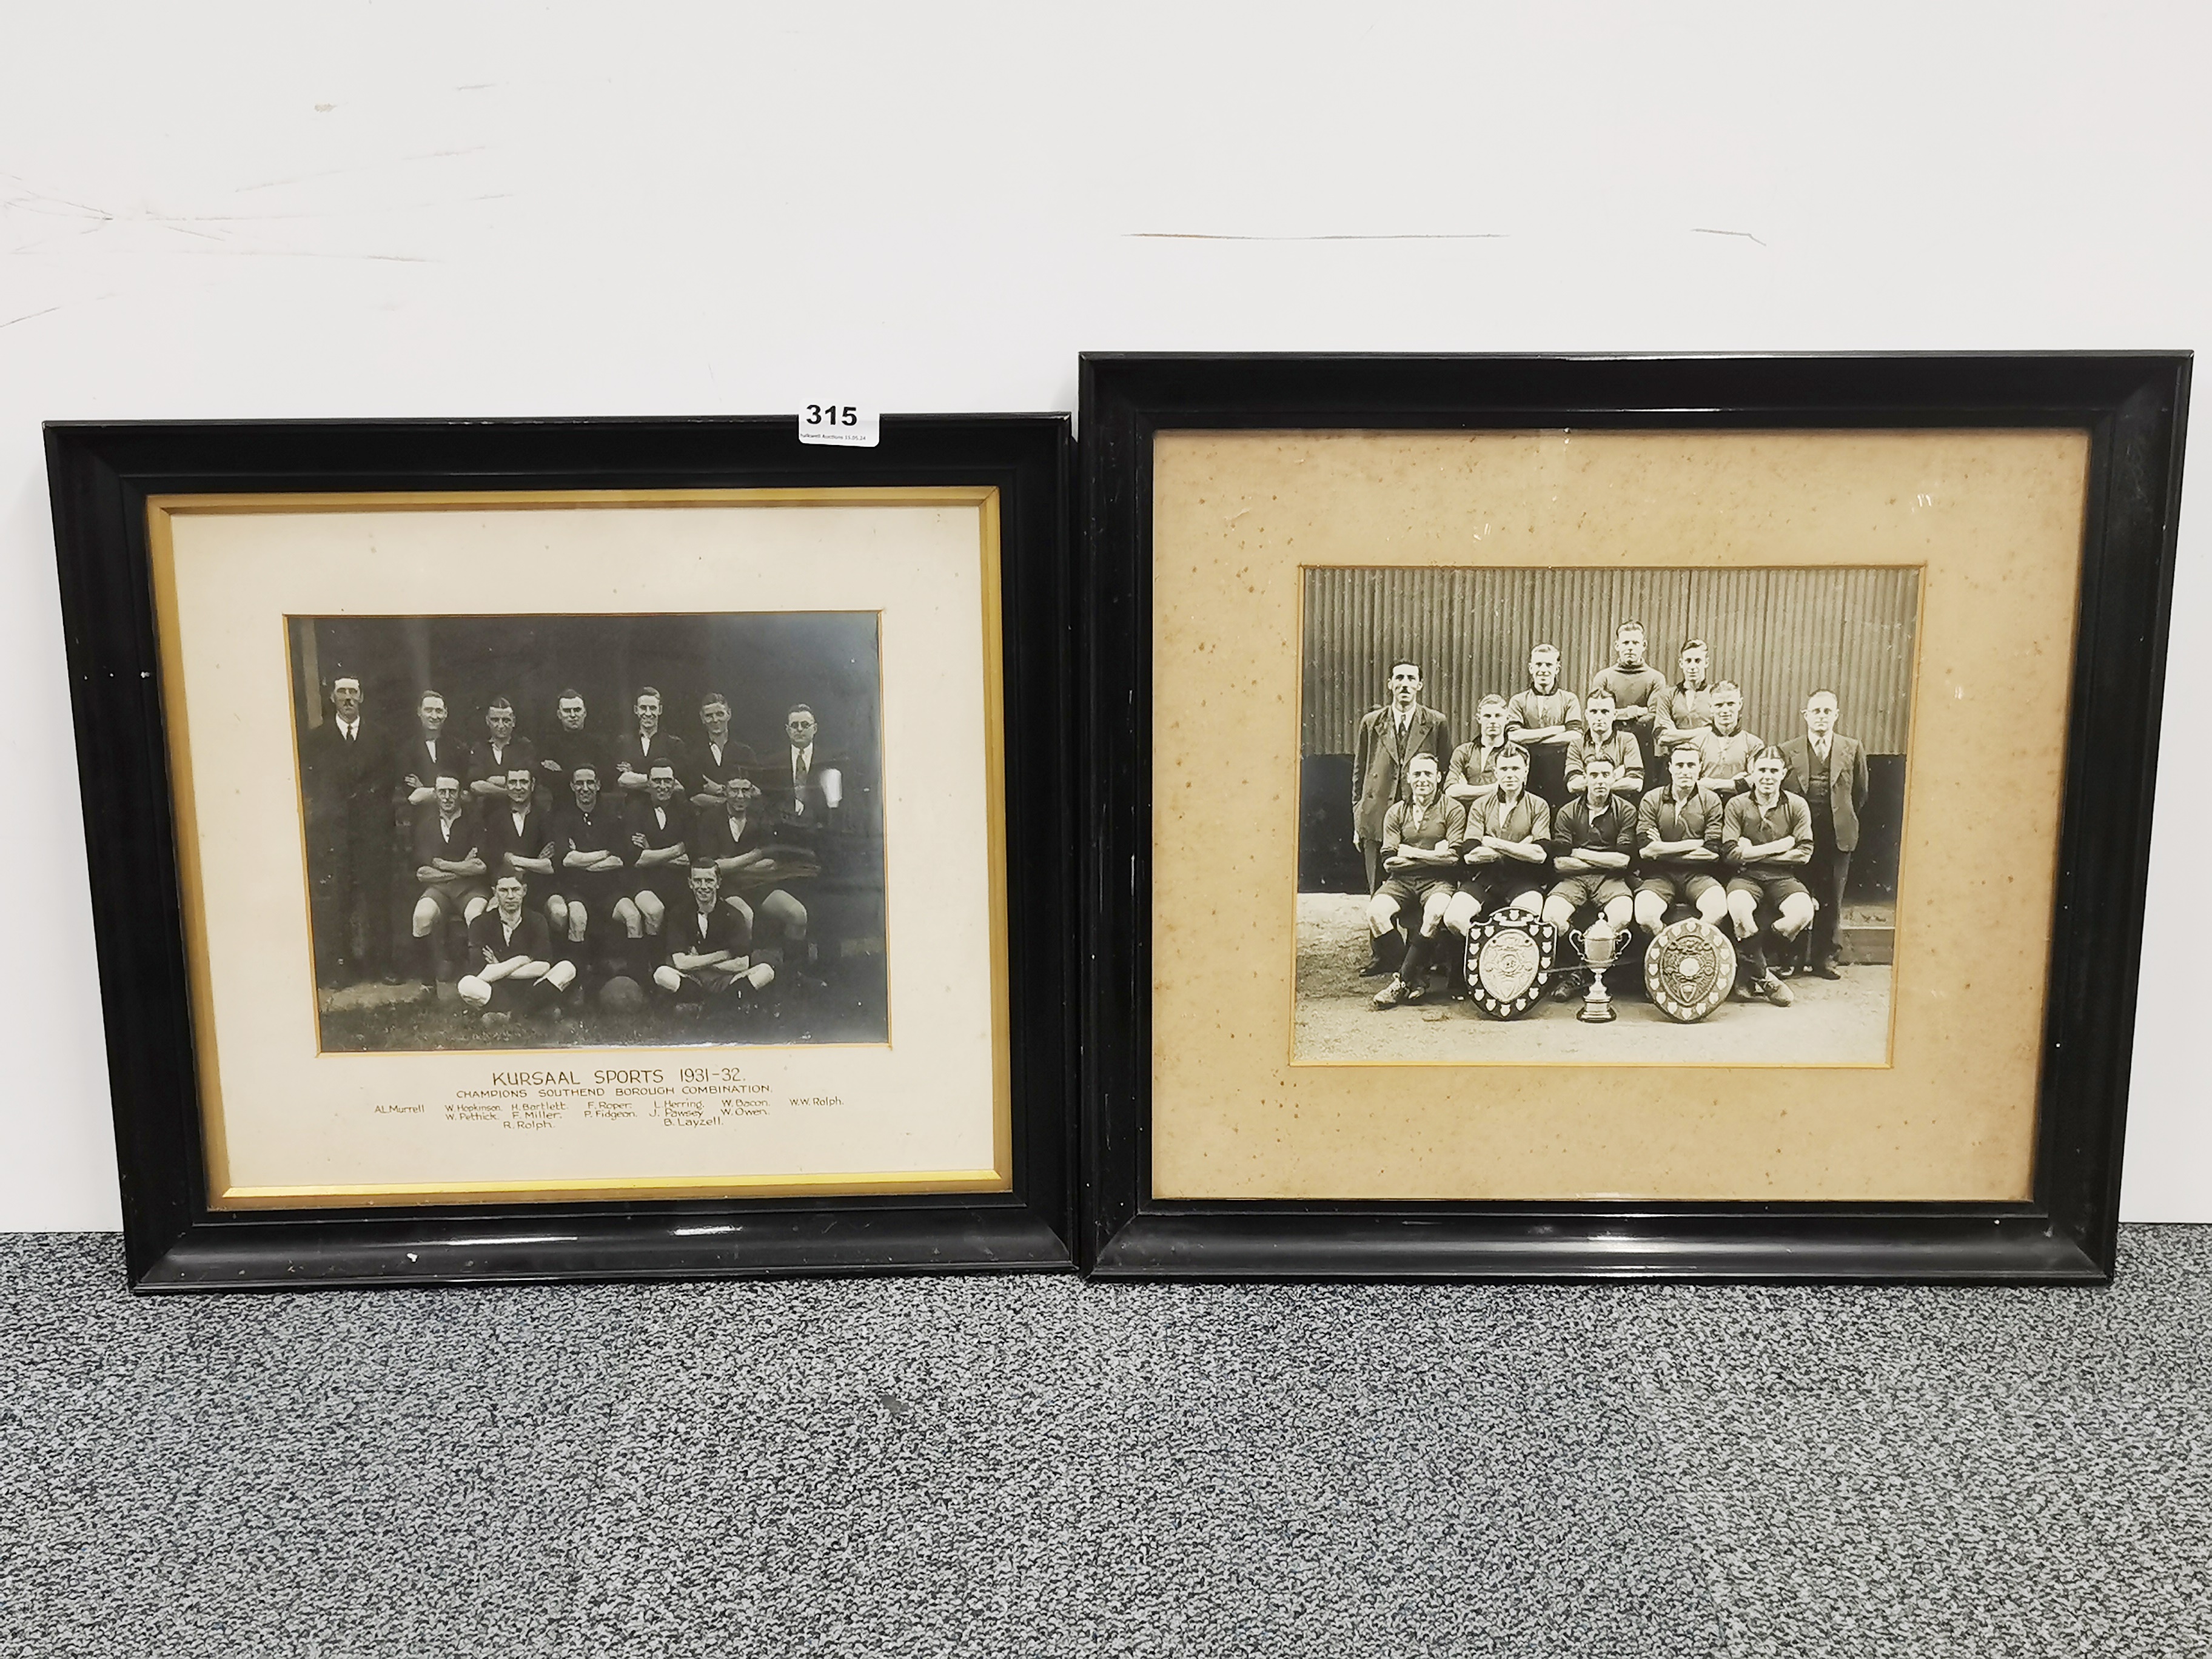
(1544, 717)
(1724, 753)
(590, 842)
(1635, 686)
(1767, 838)
(1420, 857)
(636, 755)
(499, 753)
(1601, 738)
(1686, 710)
(659, 839)
(1678, 834)
(1593, 839)
(510, 963)
(449, 864)
(1471, 775)
(708, 946)
(1506, 844)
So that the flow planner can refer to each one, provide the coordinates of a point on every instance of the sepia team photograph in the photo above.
(1645, 816)
(542, 831)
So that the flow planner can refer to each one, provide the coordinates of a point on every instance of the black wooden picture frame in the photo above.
(2133, 406)
(102, 476)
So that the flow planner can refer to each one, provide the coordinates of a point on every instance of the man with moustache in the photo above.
(1830, 771)
(342, 770)
(1385, 741)
(420, 761)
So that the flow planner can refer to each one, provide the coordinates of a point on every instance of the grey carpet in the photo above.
(1000, 1467)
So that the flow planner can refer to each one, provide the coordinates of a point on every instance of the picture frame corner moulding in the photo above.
(1279, 1079)
(698, 944)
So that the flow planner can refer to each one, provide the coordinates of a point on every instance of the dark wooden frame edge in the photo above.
(2133, 405)
(100, 476)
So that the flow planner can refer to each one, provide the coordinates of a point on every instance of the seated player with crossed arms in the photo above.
(1593, 838)
(1420, 857)
(1678, 835)
(1506, 846)
(1767, 837)
(510, 971)
(708, 948)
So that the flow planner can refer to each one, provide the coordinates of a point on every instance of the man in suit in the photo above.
(1387, 737)
(341, 765)
(1830, 771)
(804, 784)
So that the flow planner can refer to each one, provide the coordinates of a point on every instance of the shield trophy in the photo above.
(1689, 969)
(1509, 958)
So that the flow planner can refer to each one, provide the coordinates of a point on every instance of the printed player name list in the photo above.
(675, 1098)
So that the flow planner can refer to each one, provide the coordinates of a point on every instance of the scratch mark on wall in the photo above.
(1703, 230)
(27, 315)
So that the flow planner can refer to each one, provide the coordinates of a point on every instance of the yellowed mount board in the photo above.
(1993, 522)
(287, 1126)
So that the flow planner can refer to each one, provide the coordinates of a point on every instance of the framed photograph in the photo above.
(1618, 816)
(551, 849)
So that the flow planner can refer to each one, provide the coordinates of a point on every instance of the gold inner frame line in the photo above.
(224, 1195)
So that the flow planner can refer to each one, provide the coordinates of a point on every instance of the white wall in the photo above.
(438, 210)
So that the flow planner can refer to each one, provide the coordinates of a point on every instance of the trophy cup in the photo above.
(1600, 943)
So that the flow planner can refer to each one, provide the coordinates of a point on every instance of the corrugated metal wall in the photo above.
(1780, 634)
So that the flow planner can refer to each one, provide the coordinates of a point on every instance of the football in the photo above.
(621, 995)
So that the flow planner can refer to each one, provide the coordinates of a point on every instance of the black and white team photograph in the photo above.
(623, 830)
(1642, 816)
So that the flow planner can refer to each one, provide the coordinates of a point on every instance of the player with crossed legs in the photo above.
(1767, 837)
(510, 971)
(708, 948)
(1420, 856)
